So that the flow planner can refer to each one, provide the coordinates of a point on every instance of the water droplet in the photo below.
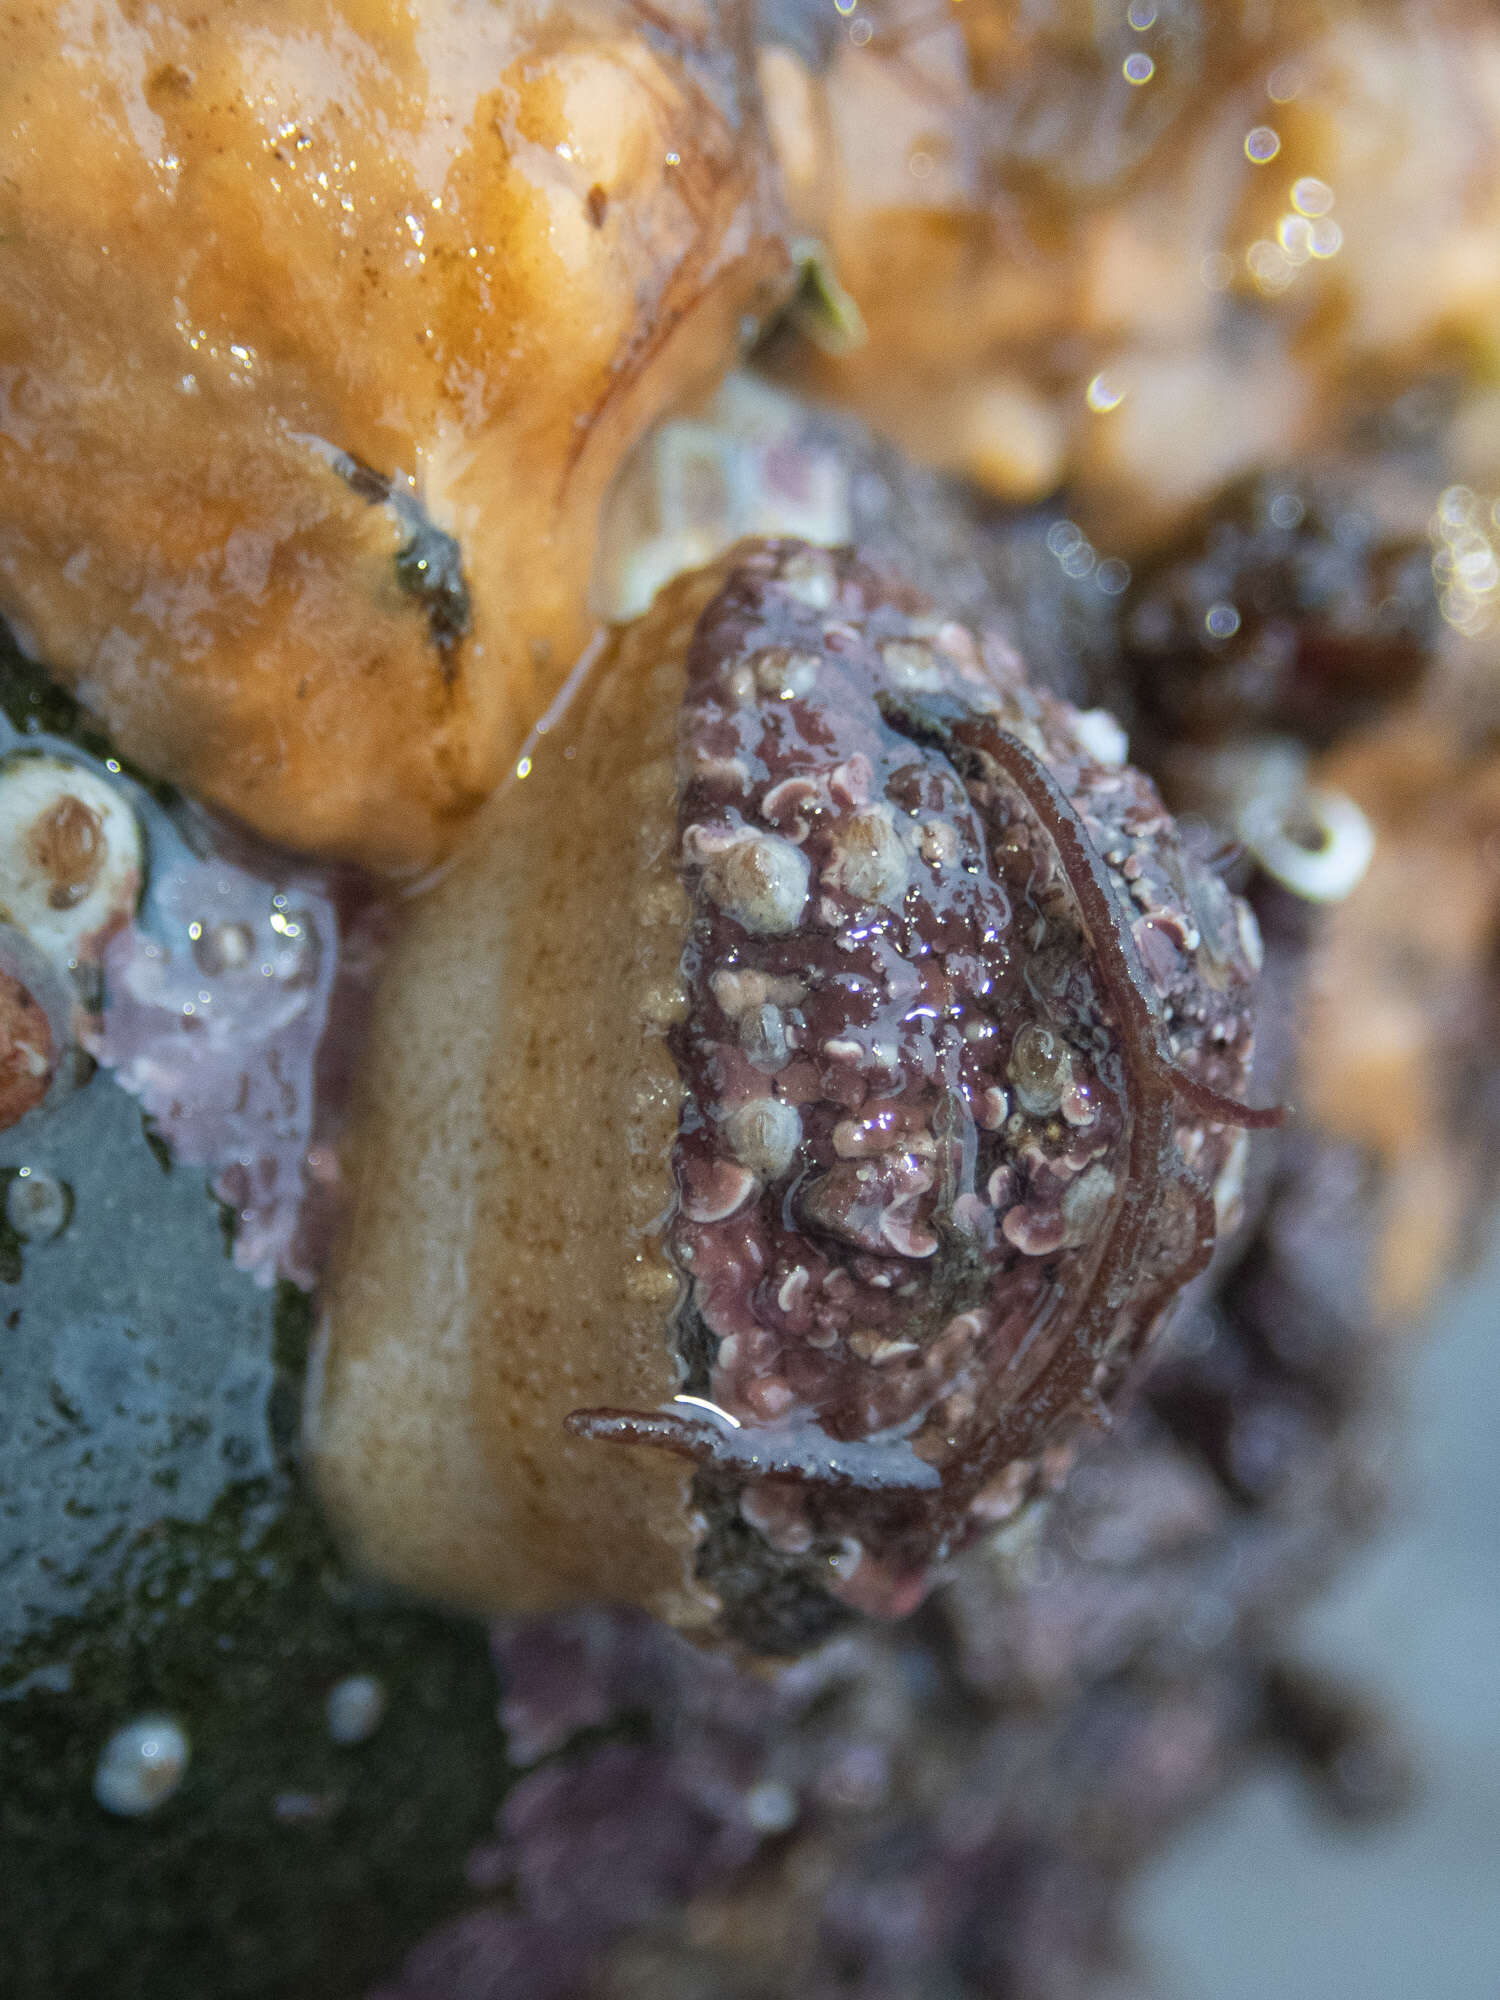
(299, 953)
(37, 1207)
(141, 1766)
(1294, 234)
(1138, 67)
(770, 1807)
(1311, 197)
(355, 1708)
(1222, 621)
(1063, 536)
(1269, 265)
(1262, 143)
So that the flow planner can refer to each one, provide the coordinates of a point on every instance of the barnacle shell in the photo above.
(70, 855)
(695, 1123)
(322, 330)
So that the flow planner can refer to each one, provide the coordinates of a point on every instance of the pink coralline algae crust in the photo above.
(834, 1787)
(595, 1844)
(214, 1011)
(964, 1017)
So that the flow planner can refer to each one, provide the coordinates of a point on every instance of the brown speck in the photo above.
(596, 205)
(27, 1058)
(171, 80)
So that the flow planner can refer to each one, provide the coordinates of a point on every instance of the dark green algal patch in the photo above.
(286, 1867)
(159, 1553)
(11, 1244)
(35, 705)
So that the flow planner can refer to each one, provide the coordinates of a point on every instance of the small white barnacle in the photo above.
(764, 1135)
(70, 854)
(1102, 737)
(807, 575)
(715, 1189)
(141, 1766)
(1320, 848)
(782, 672)
(1041, 1068)
(870, 861)
(992, 1109)
(760, 881)
(913, 665)
(763, 1038)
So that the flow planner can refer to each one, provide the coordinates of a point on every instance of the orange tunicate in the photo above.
(323, 329)
(1395, 1074)
(1140, 253)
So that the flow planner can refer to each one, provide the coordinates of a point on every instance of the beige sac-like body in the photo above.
(822, 1068)
(504, 1261)
(322, 332)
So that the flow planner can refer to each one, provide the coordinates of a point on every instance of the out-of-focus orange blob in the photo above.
(1416, 941)
(323, 328)
(1139, 251)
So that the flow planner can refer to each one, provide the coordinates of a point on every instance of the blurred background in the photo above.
(1265, 1897)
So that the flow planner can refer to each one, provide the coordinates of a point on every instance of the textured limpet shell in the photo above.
(822, 1079)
